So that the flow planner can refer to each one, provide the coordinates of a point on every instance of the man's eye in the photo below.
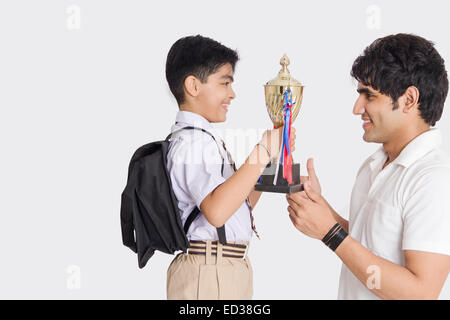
(226, 83)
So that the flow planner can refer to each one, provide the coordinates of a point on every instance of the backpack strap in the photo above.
(194, 213)
(203, 130)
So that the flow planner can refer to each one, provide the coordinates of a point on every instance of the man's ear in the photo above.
(411, 98)
(192, 86)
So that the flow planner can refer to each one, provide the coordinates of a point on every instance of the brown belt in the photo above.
(229, 250)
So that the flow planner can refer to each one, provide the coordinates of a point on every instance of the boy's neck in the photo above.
(190, 108)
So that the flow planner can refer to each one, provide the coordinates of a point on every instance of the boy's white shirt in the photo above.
(194, 164)
(405, 206)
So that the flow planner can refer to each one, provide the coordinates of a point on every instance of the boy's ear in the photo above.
(192, 86)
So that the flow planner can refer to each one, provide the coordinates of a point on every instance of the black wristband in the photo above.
(330, 233)
(337, 239)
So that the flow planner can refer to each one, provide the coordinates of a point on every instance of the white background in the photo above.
(82, 85)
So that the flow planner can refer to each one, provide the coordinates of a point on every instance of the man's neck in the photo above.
(394, 148)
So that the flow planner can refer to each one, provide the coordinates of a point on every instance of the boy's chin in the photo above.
(218, 118)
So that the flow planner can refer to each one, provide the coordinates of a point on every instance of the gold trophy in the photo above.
(283, 101)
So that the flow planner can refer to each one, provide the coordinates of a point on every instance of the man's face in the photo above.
(381, 123)
(216, 94)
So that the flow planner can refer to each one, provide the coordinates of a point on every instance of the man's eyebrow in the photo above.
(365, 90)
(227, 77)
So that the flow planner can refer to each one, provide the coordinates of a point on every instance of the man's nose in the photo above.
(359, 107)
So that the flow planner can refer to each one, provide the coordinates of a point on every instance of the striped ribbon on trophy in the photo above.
(286, 158)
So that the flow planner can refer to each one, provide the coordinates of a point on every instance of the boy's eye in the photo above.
(227, 83)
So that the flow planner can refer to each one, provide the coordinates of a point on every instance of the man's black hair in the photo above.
(198, 56)
(396, 62)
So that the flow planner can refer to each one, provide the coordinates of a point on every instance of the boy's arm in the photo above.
(254, 197)
(222, 202)
(225, 200)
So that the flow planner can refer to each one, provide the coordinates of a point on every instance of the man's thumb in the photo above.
(310, 168)
(310, 192)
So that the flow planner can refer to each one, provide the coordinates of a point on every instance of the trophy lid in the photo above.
(284, 76)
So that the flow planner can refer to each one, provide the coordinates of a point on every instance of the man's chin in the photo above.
(367, 137)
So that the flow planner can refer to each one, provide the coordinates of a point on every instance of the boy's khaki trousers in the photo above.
(209, 277)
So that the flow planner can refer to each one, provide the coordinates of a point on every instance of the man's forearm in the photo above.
(385, 279)
(338, 218)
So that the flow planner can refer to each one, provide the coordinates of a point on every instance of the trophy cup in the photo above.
(283, 101)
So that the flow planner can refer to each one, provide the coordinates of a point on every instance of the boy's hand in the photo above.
(293, 136)
(273, 139)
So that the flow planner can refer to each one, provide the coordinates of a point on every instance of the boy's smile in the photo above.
(216, 94)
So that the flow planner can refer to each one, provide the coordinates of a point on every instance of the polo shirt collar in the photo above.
(378, 159)
(413, 151)
(419, 147)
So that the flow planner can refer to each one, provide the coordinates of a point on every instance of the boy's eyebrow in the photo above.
(227, 77)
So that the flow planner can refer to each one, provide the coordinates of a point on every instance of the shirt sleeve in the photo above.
(426, 213)
(198, 165)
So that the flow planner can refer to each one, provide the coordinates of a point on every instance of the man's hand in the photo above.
(310, 213)
(312, 177)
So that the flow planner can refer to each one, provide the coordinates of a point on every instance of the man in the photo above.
(398, 246)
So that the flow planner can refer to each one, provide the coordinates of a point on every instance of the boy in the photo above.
(200, 73)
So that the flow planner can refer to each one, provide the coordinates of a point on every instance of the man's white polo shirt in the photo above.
(405, 206)
(194, 164)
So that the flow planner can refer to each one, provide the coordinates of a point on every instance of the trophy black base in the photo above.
(269, 183)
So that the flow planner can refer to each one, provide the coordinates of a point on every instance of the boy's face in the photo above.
(216, 94)
(381, 123)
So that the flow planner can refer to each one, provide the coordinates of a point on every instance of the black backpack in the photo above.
(149, 214)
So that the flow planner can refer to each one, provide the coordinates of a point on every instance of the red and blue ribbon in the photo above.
(286, 159)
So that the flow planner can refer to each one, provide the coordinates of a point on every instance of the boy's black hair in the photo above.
(198, 56)
(396, 62)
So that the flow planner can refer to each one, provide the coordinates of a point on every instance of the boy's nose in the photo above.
(232, 94)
